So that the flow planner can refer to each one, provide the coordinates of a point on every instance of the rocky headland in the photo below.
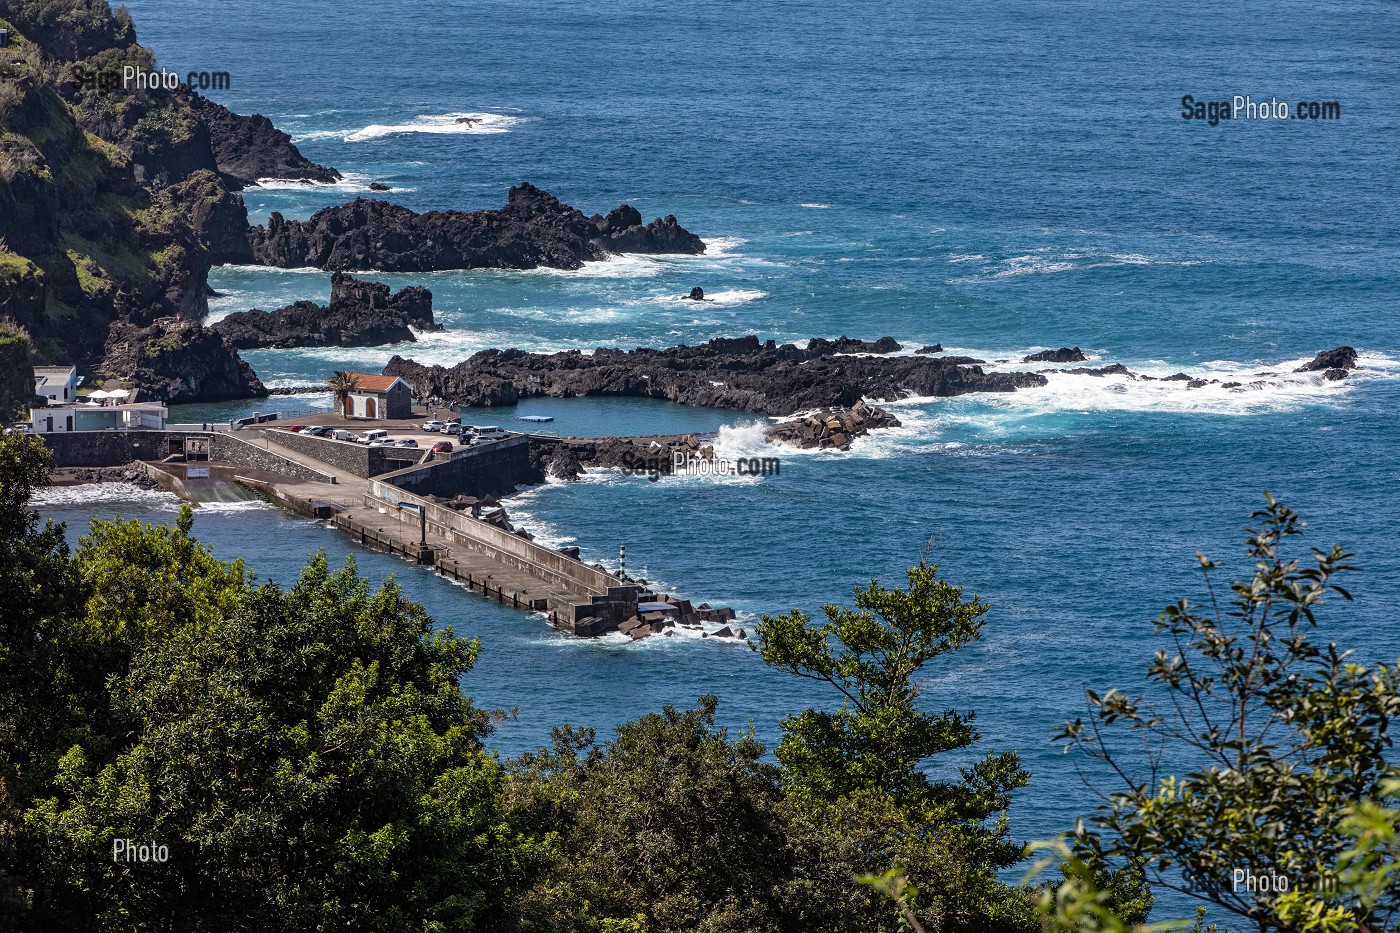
(743, 373)
(360, 314)
(247, 149)
(178, 362)
(534, 229)
(115, 203)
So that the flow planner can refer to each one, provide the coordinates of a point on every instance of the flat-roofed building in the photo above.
(58, 384)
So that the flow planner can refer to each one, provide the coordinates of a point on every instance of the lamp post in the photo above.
(422, 521)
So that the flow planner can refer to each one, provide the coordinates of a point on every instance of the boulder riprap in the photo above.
(360, 314)
(741, 373)
(832, 428)
(534, 229)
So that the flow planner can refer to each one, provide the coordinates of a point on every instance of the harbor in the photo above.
(434, 504)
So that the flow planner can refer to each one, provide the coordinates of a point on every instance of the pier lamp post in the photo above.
(422, 520)
(622, 561)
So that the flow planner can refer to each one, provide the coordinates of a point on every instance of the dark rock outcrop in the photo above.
(738, 373)
(178, 362)
(1342, 358)
(847, 345)
(360, 314)
(1062, 355)
(832, 428)
(534, 229)
(249, 148)
(931, 348)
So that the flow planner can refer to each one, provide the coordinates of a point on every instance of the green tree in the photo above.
(39, 596)
(341, 385)
(1281, 736)
(859, 773)
(306, 757)
(672, 826)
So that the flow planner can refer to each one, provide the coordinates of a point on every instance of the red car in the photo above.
(442, 447)
(296, 428)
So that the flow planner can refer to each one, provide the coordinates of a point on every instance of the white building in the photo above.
(60, 419)
(56, 383)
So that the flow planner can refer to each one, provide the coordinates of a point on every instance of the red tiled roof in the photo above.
(367, 383)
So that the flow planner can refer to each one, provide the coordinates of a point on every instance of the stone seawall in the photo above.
(493, 469)
(115, 448)
(348, 456)
(235, 451)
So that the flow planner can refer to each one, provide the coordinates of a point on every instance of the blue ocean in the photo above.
(999, 178)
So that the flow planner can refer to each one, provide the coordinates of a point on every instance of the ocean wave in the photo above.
(349, 182)
(90, 494)
(815, 205)
(1049, 262)
(484, 124)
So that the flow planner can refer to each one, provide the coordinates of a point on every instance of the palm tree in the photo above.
(342, 384)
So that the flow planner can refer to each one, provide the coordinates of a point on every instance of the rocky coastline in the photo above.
(360, 314)
(740, 373)
(532, 230)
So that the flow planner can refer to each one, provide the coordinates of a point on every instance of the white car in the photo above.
(382, 442)
(369, 437)
(433, 427)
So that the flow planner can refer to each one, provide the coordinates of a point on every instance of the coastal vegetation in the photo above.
(309, 758)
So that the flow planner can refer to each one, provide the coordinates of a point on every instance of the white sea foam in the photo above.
(1050, 262)
(483, 124)
(349, 181)
(816, 206)
(89, 494)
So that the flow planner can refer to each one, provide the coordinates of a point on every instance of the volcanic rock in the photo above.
(249, 148)
(931, 348)
(361, 314)
(534, 229)
(1336, 358)
(178, 362)
(738, 373)
(1062, 355)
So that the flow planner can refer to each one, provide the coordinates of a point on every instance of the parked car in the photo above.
(406, 442)
(369, 437)
(297, 428)
(343, 435)
(455, 429)
(488, 431)
(316, 430)
(442, 447)
(434, 426)
(382, 442)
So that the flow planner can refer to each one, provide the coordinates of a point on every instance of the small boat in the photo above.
(537, 419)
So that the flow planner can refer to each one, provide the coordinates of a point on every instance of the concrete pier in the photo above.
(393, 512)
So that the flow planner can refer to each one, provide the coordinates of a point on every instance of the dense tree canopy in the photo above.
(306, 759)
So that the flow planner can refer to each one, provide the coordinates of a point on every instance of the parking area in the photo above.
(395, 432)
